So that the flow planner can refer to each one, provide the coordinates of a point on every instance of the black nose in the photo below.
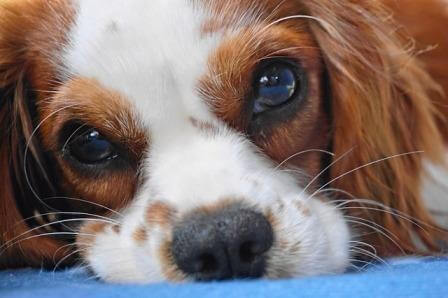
(229, 243)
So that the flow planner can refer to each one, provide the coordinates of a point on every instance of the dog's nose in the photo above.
(230, 243)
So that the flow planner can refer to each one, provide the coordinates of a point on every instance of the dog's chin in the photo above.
(311, 237)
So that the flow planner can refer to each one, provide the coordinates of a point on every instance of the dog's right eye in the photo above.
(91, 152)
(90, 147)
(87, 146)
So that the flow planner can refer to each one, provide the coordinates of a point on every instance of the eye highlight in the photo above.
(89, 147)
(275, 84)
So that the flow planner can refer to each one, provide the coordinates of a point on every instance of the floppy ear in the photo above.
(381, 109)
(18, 117)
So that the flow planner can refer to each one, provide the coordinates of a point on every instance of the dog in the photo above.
(189, 140)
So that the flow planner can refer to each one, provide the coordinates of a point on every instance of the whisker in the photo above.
(375, 227)
(251, 41)
(364, 166)
(71, 136)
(362, 251)
(389, 209)
(68, 256)
(366, 264)
(86, 201)
(388, 212)
(46, 234)
(324, 170)
(361, 243)
(325, 24)
(353, 266)
(61, 248)
(13, 241)
(27, 147)
(275, 54)
(339, 191)
(66, 213)
(372, 223)
(302, 152)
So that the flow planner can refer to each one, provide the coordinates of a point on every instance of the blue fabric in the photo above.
(427, 278)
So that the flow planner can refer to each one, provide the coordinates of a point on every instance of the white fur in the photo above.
(152, 53)
(435, 191)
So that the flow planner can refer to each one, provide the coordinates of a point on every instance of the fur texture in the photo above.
(339, 177)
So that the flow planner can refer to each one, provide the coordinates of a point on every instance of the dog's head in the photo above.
(202, 139)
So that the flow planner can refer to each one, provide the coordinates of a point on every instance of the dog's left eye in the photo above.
(274, 86)
(90, 147)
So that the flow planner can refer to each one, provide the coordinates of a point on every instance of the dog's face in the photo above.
(182, 108)
(202, 127)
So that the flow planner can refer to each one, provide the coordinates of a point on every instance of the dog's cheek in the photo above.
(311, 237)
(106, 254)
(99, 194)
(288, 223)
(132, 248)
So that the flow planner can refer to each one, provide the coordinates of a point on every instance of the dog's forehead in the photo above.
(153, 52)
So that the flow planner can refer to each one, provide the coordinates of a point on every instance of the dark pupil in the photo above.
(91, 148)
(275, 86)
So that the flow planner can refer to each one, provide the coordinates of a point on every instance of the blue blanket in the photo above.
(409, 278)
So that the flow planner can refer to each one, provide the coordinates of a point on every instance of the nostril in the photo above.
(206, 264)
(248, 252)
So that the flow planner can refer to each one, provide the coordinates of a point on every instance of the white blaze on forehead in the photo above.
(150, 51)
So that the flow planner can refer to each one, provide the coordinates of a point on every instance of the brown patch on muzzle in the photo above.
(159, 213)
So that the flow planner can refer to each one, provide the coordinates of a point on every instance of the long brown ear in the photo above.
(18, 119)
(16, 124)
(381, 108)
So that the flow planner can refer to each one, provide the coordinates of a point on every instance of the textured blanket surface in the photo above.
(400, 278)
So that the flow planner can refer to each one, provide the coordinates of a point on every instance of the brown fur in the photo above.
(384, 103)
(226, 87)
(170, 271)
(140, 235)
(383, 100)
(87, 234)
(382, 106)
(28, 31)
(205, 127)
(31, 33)
(430, 38)
(159, 213)
(71, 101)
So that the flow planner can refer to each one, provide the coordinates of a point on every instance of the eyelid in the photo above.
(75, 128)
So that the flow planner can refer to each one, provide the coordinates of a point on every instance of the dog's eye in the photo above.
(275, 85)
(90, 147)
